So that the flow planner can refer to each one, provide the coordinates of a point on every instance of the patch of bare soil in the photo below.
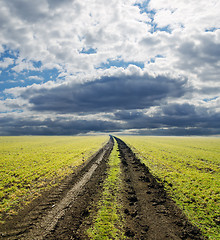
(149, 212)
(59, 213)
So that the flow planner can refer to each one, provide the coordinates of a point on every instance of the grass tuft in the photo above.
(108, 223)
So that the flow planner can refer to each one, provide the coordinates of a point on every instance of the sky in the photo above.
(76, 67)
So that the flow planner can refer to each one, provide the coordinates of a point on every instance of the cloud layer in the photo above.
(76, 67)
(107, 94)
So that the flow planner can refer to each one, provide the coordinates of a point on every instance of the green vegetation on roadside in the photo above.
(30, 164)
(108, 223)
(189, 168)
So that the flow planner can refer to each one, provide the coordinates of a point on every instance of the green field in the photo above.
(29, 165)
(189, 168)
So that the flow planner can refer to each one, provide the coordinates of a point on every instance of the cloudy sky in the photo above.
(109, 66)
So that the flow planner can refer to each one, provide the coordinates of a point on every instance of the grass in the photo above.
(108, 223)
(189, 168)
(29, 165)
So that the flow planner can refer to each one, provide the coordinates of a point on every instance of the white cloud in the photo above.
(55, 33)
(36, 78)
(21, 64)
(191, 14)
(6, 62)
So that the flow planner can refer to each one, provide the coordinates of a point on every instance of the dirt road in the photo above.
(66, 211)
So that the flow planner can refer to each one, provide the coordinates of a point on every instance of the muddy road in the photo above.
(151, 214)
(67, 211)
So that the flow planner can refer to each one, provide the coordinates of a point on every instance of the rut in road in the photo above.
(149, 212)
(59, 214)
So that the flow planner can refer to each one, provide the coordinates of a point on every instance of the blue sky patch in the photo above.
(209, 99)
(121, 63)
(11, 79)
(211, 29)
(88, 51)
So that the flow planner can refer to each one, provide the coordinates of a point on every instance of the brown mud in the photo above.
(67, 211)
(150, 212)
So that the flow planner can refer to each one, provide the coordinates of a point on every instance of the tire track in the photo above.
(149, 212)
(42, 220)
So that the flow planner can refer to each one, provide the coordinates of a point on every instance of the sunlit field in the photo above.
(189, 169)
(29, 165)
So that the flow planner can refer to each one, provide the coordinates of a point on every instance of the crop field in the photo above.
(189, 169)
(30, 164)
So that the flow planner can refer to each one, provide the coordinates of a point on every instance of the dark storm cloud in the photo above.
(180, 132)
(171, 123)
(179, 109)
(106, 94)
(59, 126)
(128, 115)
(174, 119)
(178, 116)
